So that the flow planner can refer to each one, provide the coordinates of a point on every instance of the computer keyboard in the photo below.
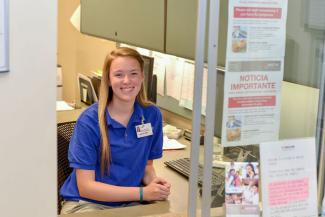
(182, 166)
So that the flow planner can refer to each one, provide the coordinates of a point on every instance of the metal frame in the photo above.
(320, 140)
(211, 106)
(320, 175)
(197, 99)
(4, 16)
(197, 105)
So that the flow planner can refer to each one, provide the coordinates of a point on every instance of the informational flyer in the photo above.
(242, 189)
(3, 36)
(289, 183)
(254, 71)
(252, 94)
(256, 28)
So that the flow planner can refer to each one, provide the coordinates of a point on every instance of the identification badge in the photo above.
(143, 130)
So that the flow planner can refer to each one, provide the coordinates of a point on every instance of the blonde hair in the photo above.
(105, 97)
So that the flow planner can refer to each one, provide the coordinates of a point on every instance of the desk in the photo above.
(158, 209)
(69, 115)
(176, 205)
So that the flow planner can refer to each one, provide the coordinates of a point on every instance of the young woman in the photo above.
(115, 142)
(250, 171)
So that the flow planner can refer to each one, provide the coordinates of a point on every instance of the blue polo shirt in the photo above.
(129, 154)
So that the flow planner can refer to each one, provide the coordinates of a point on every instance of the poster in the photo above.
(252, 94)
(254, 71)
(256, 29)
(4, 43)
(289, 185)
(242, 189)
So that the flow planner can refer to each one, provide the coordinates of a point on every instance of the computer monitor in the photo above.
(95, 80)
(86, 90)
(149, 80)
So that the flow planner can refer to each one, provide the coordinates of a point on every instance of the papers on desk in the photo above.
(172, 132)
(63, 106)
(172, 144)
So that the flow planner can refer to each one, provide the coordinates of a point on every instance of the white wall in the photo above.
(27, 112)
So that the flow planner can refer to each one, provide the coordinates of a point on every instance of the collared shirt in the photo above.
(129, 154)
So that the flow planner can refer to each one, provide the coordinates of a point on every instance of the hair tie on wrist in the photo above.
(141, 194)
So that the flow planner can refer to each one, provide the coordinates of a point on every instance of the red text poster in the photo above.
(252, 102)
(254, 71)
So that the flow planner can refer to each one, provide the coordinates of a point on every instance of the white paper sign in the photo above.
(256, 29)
(254, 71)
(252, 96)
(4, 43)
(288, 171)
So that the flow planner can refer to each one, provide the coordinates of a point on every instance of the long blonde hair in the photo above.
(105, 97)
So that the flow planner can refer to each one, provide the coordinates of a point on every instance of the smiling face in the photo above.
(126, 78)
(255, 189)
(249, 170)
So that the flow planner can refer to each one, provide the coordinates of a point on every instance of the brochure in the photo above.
(242, 189)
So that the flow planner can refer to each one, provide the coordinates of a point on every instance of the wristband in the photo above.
(141, 194)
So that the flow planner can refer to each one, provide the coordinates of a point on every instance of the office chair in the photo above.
(64, 133)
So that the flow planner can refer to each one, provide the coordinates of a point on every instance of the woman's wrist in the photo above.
(141, 194)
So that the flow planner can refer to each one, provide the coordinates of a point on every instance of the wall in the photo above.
(304, 46)
(299, 105)
(27, 113)
(77, 53)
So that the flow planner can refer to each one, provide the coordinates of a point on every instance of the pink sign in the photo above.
(285, 192)
(258, 13)
(251, 101)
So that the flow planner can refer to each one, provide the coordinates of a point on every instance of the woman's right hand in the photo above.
(156, 190)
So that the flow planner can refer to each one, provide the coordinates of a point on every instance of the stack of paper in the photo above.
(172, 144)
(63, 106)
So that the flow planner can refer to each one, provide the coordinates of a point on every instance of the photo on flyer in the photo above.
(242, 188)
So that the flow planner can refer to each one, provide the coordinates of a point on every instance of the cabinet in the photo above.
(181, 29)
(144, 23)
(140, 23)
